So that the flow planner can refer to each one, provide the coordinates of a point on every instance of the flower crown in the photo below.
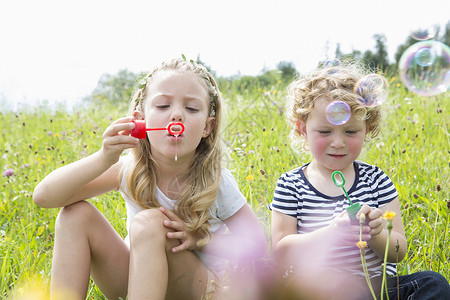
(212, 88)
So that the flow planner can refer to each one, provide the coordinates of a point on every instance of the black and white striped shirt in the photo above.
(296, 197)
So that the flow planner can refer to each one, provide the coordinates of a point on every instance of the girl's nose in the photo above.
(177, 114)
(338, 141)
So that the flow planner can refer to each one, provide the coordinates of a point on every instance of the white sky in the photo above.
(57, 50)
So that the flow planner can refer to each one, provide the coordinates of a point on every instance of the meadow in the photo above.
(413, 149)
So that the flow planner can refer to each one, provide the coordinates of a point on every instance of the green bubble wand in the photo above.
(354, 207)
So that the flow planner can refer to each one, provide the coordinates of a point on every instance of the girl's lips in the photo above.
(174, 138)
(337, 155)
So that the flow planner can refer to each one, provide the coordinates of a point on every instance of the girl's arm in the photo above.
(282, 226)
(291, 248)
(379, 232)
(90, 176)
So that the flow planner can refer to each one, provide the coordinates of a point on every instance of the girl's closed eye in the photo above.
(161, 103)
(162, 106)
(324, 132)
(192, 109)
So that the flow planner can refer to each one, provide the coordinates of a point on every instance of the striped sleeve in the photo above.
(286, 196)
(376, 185)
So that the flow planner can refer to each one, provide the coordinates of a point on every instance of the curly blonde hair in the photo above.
(204, 177)
(337, 83)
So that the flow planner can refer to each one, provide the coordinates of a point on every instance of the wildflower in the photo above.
(361, 244)
(249, 177)
(8, 172)
(389, 215)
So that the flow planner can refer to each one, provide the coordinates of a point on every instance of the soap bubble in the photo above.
(333, 62)
(425, 34)
(373, 89)
(424, 68)
(425, 57)
(338, 112)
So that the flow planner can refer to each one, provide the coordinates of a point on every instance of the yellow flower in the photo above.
(393, 79)
(389, 215)
(361, 244)
(249, 177)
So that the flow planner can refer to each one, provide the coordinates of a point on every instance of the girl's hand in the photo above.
(346, 233)
(373, 219)
(187, 240)
(116, 138)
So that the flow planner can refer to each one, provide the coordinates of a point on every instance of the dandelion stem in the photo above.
(362, 252)
(383, 283)
(366, 272)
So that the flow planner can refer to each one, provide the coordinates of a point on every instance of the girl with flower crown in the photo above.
(185, 216)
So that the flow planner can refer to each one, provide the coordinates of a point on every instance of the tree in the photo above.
(338, 53)
(115, 88)
(381, 51)
(288, 71)
(378, 59)
(402, 48)
(446, 36)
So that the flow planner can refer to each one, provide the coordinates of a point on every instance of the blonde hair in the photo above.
(335, 83)
(201, 187)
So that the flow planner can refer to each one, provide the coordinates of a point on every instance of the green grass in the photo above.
(413, 150)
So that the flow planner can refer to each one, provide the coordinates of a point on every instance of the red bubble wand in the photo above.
(139, 130)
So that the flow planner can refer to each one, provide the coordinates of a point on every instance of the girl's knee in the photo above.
(148, 225)
(436, 280)
(75, 214)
